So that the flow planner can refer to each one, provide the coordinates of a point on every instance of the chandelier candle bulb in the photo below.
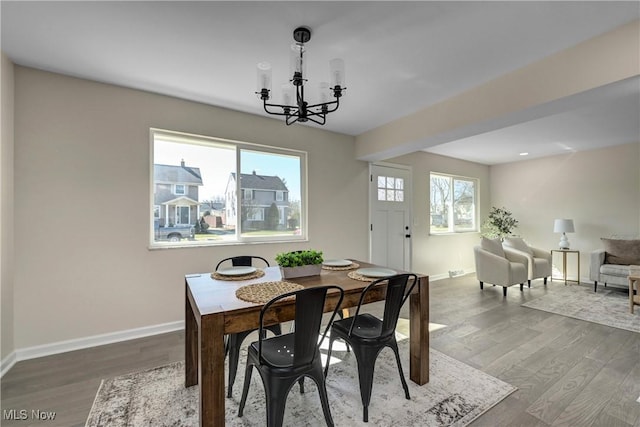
(323, 88)
(264, 76)
(287, 94)
(336, 67)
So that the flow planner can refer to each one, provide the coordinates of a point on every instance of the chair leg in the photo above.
(595, 286)
(234, 342)
(504, 291)
(394, 347)
(245, 388)
(545, 281)
(276, 393)
(481, 285)
(521, 287)
(326, 368)
(529, 283)
(318, 376)
(366, 361)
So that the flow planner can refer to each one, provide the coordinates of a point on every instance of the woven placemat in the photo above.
(358, 276)
(351, 266)
(256, 274)
(261, 293)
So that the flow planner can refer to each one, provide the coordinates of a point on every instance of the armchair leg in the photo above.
(481, 285)
(595, 286)
(528, 283)
(545, 281)
(504, 291)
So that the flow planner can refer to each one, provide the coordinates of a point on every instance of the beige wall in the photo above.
(82, 204)
(598, 189)
(436, 255)
(6, 210)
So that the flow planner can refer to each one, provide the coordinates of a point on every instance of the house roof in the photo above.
(177, 174)
(261, 182)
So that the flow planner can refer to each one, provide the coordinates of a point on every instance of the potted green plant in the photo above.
(500, 223)
(300, 263)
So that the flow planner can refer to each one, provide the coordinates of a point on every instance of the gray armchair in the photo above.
(538, 260)
(498, 267)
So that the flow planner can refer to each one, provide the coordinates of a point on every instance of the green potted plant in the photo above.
(300, 263)
(500, 223)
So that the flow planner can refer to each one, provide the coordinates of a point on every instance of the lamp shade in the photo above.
(563, 226)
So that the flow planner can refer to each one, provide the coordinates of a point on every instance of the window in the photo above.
(390, 189)
(254, 192)
(453, 204)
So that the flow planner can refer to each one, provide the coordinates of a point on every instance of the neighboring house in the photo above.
(216, 211)
(176, 194)
(258, 193)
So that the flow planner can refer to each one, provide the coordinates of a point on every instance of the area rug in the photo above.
(455, 396)
(605, 307)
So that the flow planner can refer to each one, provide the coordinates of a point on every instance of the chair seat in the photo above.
(277, 351)
(367, 327)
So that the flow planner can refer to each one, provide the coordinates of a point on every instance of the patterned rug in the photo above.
(605, 307)
(455, 396)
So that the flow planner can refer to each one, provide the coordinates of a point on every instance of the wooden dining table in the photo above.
(213, 310)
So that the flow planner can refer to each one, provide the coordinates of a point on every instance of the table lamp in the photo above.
(563, 226)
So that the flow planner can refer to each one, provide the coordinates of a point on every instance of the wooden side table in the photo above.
(634, 299)
(564, 253)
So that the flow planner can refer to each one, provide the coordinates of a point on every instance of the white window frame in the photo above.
(176, 192)
(239, 146)
(279, 196)
(451, 226)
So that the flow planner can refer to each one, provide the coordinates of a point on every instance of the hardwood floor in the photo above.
(568, 372)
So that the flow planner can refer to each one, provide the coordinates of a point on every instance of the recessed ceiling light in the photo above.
(524, 154)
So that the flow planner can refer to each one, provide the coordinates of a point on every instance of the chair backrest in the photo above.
(397, 294)
(309, 305)
(242, 261)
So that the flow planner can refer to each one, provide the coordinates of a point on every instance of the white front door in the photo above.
(390, 213)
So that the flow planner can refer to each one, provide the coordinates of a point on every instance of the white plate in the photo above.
(337, 262)
(236, 271)
(376, 272)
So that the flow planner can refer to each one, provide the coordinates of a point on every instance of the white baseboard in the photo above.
(86, 342)
(7, 363)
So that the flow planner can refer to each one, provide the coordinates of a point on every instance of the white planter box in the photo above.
(302, 271)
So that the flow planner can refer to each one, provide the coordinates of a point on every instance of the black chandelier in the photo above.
(300, 110)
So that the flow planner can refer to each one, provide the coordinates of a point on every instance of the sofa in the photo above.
(611, 264)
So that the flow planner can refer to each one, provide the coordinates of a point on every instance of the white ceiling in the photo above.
(400, 57)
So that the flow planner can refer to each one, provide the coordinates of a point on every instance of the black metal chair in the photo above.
(368, 335)
(234, 341)
(282, 360)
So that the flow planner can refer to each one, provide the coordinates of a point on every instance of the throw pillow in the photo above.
(517, 243)
(493, 246)
(621, 252)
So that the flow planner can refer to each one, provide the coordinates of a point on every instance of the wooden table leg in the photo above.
(211, 372)
(419, 333)
(190, 343)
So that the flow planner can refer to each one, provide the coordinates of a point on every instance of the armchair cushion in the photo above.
(517, 243)
(538, 260)
(492, 245)
(621, 252)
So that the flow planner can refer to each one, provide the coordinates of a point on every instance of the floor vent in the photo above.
(456, 273)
